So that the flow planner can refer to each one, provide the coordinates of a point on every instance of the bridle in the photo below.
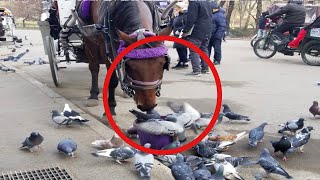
(128, 84)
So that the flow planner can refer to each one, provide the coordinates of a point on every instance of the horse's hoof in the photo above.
(104, 120)
(92, 102)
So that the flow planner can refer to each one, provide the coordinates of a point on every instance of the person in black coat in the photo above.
(178, 25)
(219, 26)
(197, 30)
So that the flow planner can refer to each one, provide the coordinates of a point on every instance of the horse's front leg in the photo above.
(114, 81)
(94, 92)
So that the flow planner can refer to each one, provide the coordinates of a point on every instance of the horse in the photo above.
(128, 22)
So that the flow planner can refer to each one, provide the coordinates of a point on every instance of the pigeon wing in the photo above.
(159, 127)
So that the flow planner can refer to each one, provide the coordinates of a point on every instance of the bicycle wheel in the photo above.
(253, 40)
(265, 48)
(310, 53)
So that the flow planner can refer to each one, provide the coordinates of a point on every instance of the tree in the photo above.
(229, 12)
(26, 9)
(259, 11)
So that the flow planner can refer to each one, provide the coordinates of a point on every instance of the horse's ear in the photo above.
(166, 31)
(125, 37)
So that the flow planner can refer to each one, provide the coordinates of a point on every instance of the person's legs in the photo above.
(194, 56)
(217, 50)
(204, 47)
(210, 47)
(282, 29)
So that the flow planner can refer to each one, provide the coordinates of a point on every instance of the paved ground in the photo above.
(274, 90)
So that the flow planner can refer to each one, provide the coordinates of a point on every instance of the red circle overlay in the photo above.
(113, 67)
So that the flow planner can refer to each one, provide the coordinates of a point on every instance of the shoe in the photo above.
(216, 63)
(197, 74)
(178, 66)
(185, 65)
(205, 72)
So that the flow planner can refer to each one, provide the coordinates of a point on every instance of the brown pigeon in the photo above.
(314, 109)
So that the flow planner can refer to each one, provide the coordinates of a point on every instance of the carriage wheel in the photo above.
(310, 53)
(52, 60)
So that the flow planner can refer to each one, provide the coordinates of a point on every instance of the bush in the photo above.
(240, 33)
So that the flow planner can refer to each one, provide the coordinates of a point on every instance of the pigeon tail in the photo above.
(240, 136)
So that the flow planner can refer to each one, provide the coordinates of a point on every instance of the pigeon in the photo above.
(314, 109)
(71, 114)
(67, 146)
(144, 162)
(205, 121)
(224, 167)
(233, 116)
(183, 119)
(283, 145)
(204, 150)
(26, 37)
(31, 44)
(219, 146)
(14, 50)
(63, 120)
(218, 175)
(237, 161)
(173, 145)
(202, 173)
(114, 142)
(292, 125)
(167, 160)
(206, 115)
(161, 127)
(144, 117)
(118, 154)
(256, 134)
(180, 170)
(35, 139)
(300, 139)
(175, 107)
(270, 165)
(195, 161)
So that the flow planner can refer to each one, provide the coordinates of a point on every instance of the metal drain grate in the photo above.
(54, 173)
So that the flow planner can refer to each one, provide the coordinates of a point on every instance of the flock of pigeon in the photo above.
(209, 161)
(66, 146)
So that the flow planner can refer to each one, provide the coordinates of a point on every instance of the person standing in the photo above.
(219, 26)
(197, 30)
(178, 24)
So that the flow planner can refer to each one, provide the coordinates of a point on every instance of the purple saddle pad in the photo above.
(85, 9)
(156, 141)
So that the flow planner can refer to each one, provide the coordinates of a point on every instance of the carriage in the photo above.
(7, 25)
(63, 37)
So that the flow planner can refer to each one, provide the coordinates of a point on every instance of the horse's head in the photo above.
(143, 69)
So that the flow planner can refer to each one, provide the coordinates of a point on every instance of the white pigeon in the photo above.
(228, 171)
(68, 112)
(114, 142)
(143, 162)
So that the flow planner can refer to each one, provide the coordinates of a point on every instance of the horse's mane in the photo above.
(125, 14)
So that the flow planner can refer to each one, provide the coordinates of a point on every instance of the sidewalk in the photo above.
(25, 107)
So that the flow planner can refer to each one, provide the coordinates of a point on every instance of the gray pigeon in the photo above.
(144, 117)
(270, 165)
(118, 154)
(206, 115)
(175, 107)
(204, 150)
(167, 160)
(144, 163)
(301, 139)
(184, 119)
(161, 127)
(67, 146)
(218, 175)
(35, 139)
(232, 115)
(173, 145)
(180, 170)
(256, 134)
(292, 125)
(63, 120)
(237, 161)
(205, 121)
(195, 161)
(202, 173)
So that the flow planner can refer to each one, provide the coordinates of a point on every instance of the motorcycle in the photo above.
(272, 44)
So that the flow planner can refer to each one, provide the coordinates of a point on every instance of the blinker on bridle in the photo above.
(128, 84)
